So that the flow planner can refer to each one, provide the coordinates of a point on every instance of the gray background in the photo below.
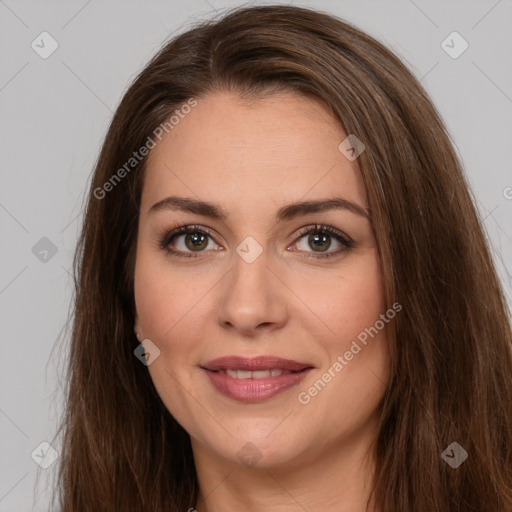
(54, 115)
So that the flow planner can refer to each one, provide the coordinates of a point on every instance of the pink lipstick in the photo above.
(254, 379)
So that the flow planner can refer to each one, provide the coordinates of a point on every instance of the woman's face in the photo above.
(254, 283)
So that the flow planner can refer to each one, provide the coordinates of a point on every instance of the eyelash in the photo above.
(315, 229)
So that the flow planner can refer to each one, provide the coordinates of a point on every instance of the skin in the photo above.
(252, 159)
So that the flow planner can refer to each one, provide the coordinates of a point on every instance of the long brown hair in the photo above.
(451, 378)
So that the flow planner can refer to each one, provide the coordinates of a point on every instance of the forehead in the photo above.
(250, 154)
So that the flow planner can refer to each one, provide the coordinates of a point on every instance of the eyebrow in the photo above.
(287, 212)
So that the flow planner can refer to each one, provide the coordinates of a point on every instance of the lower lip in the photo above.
(254, 390)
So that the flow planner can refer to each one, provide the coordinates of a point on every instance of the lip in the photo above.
(255, 363)
(254, 390)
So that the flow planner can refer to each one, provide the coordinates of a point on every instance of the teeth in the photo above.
(259, 374)
(240, 374)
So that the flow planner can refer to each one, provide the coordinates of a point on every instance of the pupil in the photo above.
(197, 240)
(318, 239)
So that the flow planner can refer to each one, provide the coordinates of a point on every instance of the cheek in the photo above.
(168, 307)
(356, 366)
(360, 301)
(164, 297)
(346, 301)
(349, 306)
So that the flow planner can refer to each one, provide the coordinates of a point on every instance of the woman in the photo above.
(284, 298)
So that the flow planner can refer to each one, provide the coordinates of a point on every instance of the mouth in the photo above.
(258, 374)
(255, 364)
(254, 379)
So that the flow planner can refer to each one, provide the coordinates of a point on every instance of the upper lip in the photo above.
(255, 363)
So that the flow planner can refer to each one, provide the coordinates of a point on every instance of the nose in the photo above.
(253, 299)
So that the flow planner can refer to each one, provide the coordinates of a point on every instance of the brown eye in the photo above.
(319, 239)
(186, 240)
(196, 240)
(319, 242)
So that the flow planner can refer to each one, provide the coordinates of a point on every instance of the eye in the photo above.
(319, 238)
(196, 239)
